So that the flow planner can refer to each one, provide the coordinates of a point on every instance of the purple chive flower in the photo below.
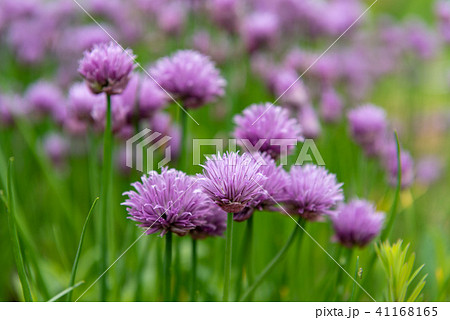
(331, 105)
(107, 68)
(273, 187)
(161, 122)
(277, 179)
(81, 102)
(260, 123)
(172, 17)
(232, 181)
(312, 192)
(442, 10)
(429, 170)
(286, 85)
(391, 165)
(151, 97)
(308, 119)
(8, 104)
(118, 116)
(11, 107)
(368, 128)
(190, 77)
(56, 147)
(225, 13)
(214, 225)
(44, 98)
(260, 29)
(421, 39)
(167, 201)
(356, 223)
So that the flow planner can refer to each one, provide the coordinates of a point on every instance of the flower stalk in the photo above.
(259, 279)
(106, 181)
(228, 253)
(167, 266)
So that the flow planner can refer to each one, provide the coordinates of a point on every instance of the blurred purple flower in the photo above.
(259, 30)
(161, 122)
(232, 181)
(12, 106)
(288, 88)
(331, 106)
(266, 121)
(190, 77)
(309, 121)
(225, 13)
(44, 98)
(442, 10)
(107, 68)
(391, 164)
(339, 15)
(151, 97)
(312, 192)
(420, 39)
(56, 148)
(428, 170)
(171, 17)
(167, 201)
(368, 128)
(119, 114)
(81, 102)
(356, 223)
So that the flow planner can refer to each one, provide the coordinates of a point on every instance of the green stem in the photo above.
(275, 260)
(106, 179)
(66, 291)
(14, 236)
(194, 269)
(248, 255)
(354, 288)
(228, 252)
(167, 266)
(245, 258)
(340, 284)
(178, 276)
(80, 245)
(393, 212)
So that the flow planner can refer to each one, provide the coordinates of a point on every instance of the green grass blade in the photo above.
(66, 291)
(77, 256)
(14, 236)
(417, 289)
(393, 211)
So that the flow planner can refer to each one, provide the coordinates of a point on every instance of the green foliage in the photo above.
(398, 268)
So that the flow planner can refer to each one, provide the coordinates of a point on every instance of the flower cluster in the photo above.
(356, 223)
(232, 181)
(190, 77)
(107, 68)
(312, 192)
(369, 128)
(169, 201)
(268, 127)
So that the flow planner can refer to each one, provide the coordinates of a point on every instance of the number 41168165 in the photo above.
(407, 311)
